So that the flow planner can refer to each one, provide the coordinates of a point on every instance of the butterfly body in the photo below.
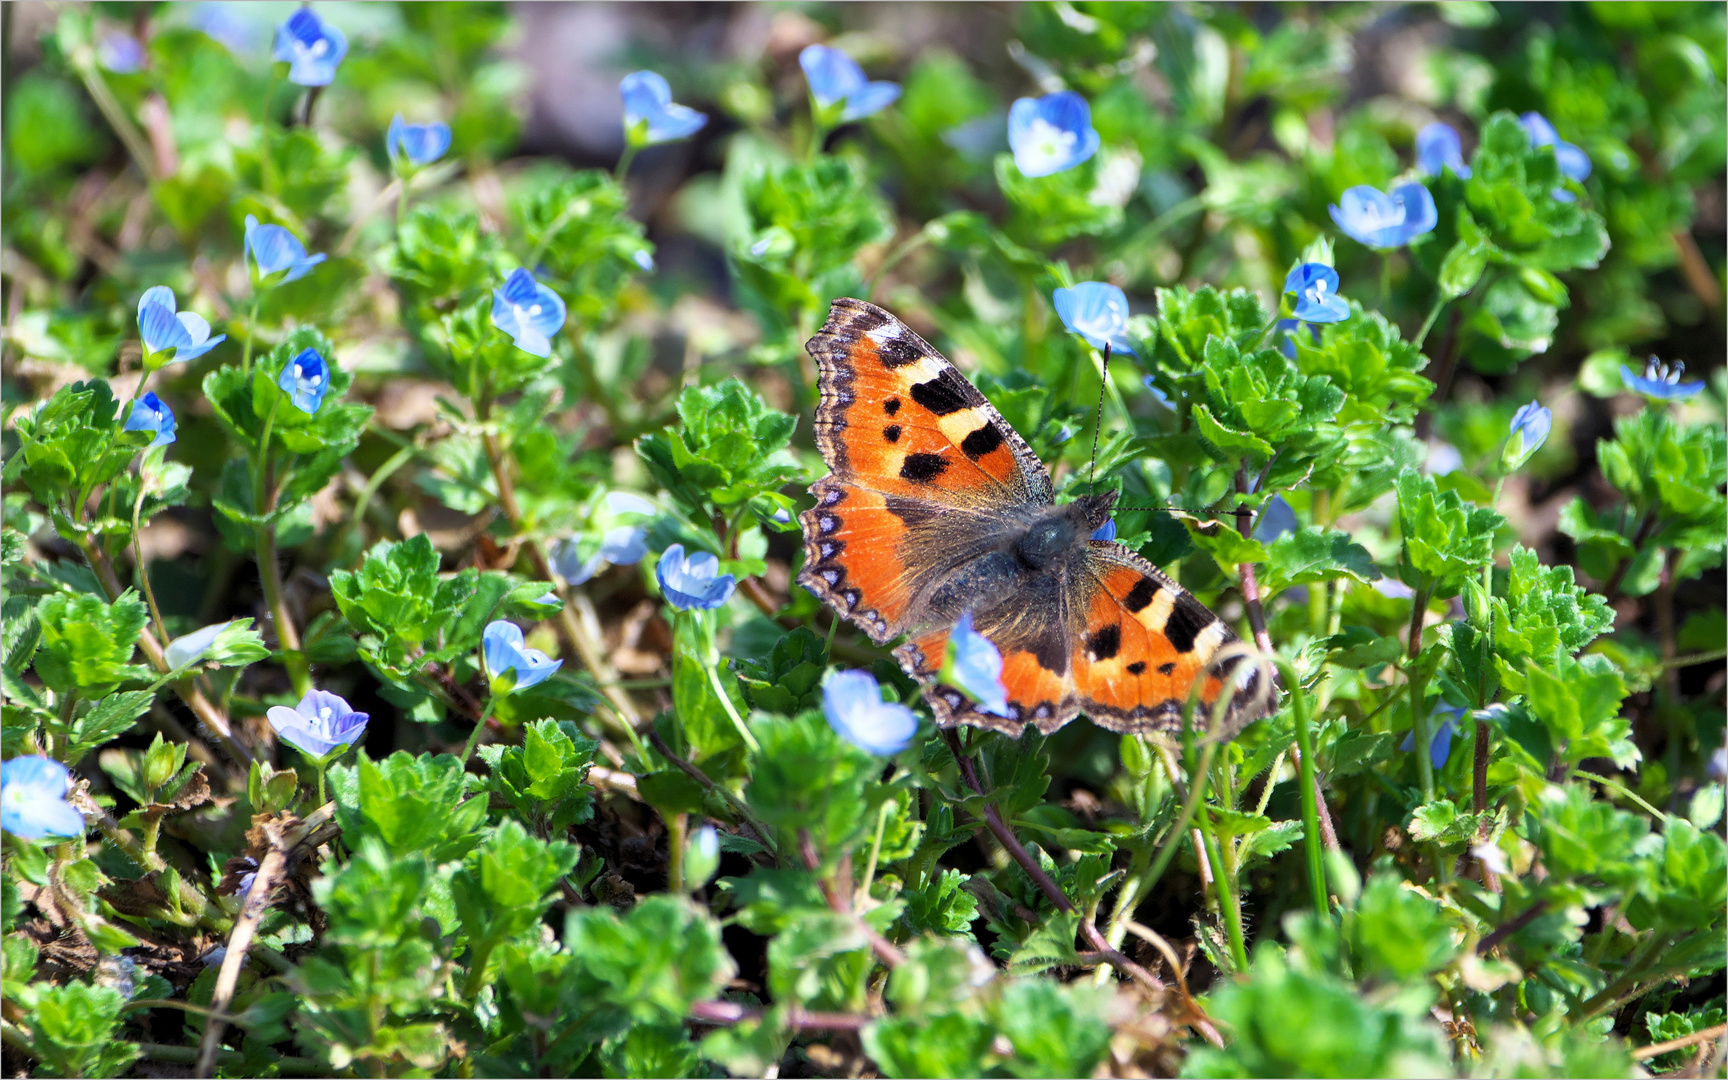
(936, 507)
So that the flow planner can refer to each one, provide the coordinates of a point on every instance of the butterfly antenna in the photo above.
(1103, 384)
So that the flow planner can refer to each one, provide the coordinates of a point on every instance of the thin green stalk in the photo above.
(1305, 782)
(677, 828)
(138, 558)
(624, 160)
(1418, 688)
(479, 729)
(726, 703)
(1428, 323)
(1227, 899)
(907, 247)
(251, 332)
(862, 897)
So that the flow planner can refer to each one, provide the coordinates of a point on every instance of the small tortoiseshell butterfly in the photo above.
(935, 506)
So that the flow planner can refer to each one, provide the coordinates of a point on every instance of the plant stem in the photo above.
(251, 332)
(739, 806)
(1017, 851)
(908, 246)
(1227, 899)
(138, 559)
(1418, 686)
(1309, 788)
(479, 729)
(623, 168)
(676, 827)
(732, 713)
(1428, 323)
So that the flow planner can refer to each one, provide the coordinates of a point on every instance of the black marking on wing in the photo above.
(1140, 595)
(946, 393)
(898, 352)
(891, 433)
(1106, 643)
(981, 441)
(923, 468)
(1186, 621)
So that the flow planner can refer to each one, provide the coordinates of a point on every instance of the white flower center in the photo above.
(1317, 291)
(316, 380)
(1051, 142)
(534, 309)
(1376, 216)
(320, 47)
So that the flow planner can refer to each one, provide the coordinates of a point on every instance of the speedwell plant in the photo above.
(402, 670)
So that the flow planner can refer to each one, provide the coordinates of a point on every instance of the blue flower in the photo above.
(1316, 289)
(1530, 427)
(650, 117)
(1661, 382)
(151, 413)
(1105, 532)
(1051, 133)
(311, 47)
(272, 248)
(972, 663)
(190, 648)
(1097, 312)
(511, 665)
(645, 260)
(1385, 221)
(1574, 163)
(185, 333)
(852, 702)
(695, 582)
(836, 79)
(1440, 742)
(306, 378)
(421, 144)
(528, 311)
(321, 724)
(1277, 518)
(1438, 147)
(120, 53)
(33, 799)
(623, 545)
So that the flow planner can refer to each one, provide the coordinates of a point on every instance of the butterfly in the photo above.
(935, 507)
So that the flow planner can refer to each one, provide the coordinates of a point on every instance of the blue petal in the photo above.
(157, 294)
(645, 93)
(870, 99)
(675, 122)
(161, 330)
(833, 76)
(1105, 532)
(1277, 518)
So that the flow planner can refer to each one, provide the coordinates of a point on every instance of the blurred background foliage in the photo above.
(1540, 891)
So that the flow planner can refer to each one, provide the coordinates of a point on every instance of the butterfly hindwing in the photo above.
(1143, 643)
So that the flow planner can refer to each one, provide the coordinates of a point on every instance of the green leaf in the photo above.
(87, 644)
(942, 906)
(1398, 931)
(409, 804)
(1444, 538)
(1579, 702)
(1315, 554)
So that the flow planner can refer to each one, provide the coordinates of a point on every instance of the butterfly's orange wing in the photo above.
(1143, 644)
(925, 476)
(919, 458)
